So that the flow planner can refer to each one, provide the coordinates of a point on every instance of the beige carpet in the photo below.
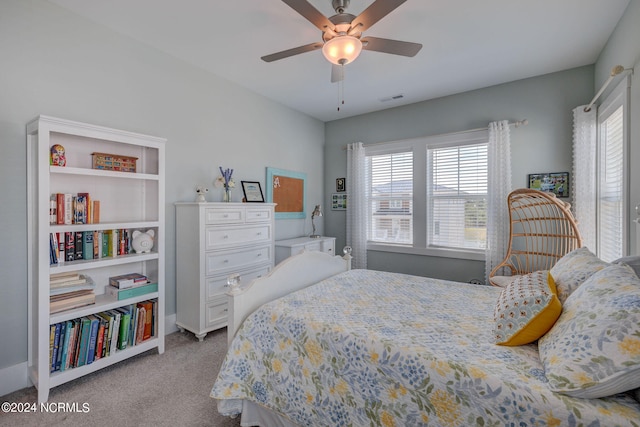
(171, 389)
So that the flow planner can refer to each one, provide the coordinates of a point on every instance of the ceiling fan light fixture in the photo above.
(342, 50)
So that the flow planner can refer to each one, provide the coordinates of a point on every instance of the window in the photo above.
(457, 197)
(391, 198)
(612, 182)
(429, 195)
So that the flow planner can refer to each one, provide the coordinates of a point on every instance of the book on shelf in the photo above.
(54, 349)
(93, 339)
(81, 345)
(135, 291)
(125, 324)
(87, 244)
(129, 280)
(115, 334)
(69, 300)
(66, 283)
(53, 210)
(65, 346)
(96, 211)
(148, 319)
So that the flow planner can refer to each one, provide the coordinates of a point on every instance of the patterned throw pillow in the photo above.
(526, 309)
(573, 269)
(593, 350)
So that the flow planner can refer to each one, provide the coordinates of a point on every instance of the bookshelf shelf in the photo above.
(103, 303)
(103, 173)
(104, 226)
(128, 201)
(59, 378)
(83, 264)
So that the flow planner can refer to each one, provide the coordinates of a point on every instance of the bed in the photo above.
(361, 347)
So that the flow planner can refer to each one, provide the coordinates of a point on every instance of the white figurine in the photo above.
(200, 190)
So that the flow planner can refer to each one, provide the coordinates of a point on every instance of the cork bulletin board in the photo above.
(288, 190)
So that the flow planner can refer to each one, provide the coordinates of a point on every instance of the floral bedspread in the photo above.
(375, 348)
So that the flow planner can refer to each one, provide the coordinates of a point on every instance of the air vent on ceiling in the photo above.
(392, 98)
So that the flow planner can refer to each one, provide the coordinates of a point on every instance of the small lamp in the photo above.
(316, 212)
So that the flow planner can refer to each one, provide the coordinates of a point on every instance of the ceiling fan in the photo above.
(342, 39)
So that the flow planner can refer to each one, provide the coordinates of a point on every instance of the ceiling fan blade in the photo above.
(309, 12)
(375, 12)
(337, 74)
(395, 47)
(290, 52)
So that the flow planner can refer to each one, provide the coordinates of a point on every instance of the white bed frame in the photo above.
(296, 272)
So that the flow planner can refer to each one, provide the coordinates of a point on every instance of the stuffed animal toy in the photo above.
(142, 242)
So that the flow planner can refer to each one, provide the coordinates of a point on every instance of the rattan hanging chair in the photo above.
(541, 231)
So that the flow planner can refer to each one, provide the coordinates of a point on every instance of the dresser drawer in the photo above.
(223, 216)
(216, 313)
(218, 237)
(230, 260)
(258, 215)
(217, 286)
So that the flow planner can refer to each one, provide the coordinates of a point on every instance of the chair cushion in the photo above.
(573, 269)
(593, 350)
(526, 309)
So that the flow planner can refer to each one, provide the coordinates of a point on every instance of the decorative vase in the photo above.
(226, 197)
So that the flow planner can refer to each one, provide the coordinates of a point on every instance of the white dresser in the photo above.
(214, 240)
(288, 247)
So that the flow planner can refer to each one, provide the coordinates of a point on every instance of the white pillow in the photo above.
(573, 269)
(593, 350)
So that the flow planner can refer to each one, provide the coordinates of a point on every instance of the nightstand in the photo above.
(288, 247)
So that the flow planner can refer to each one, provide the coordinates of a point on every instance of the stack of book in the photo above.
(70, 290)
(82, 341)
(129, 286)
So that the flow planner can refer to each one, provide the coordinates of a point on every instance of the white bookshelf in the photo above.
(128, 200)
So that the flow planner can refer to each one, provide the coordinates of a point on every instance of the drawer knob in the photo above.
(226, 261)
(225, 216)
(259, 254)
(226, 236)
(259, 233)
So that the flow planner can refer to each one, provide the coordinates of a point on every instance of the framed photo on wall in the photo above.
(339, 201)
(341, 184)
(555, 182)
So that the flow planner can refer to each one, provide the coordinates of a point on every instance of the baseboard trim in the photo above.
(170, 324)
(16, 377)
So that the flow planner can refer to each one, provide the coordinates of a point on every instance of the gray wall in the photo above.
(59, 64)
(623, 49)
(544, 145)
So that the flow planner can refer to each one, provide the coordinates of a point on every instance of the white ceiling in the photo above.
(467, 44)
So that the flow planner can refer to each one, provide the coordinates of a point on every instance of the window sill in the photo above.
(443, 253)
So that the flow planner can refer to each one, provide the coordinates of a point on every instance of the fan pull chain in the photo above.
(341, 87)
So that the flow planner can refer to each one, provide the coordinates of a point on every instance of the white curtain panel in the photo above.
(357, 204)
(499, 151)
(584, 173)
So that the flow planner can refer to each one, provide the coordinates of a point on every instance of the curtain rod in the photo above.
(618, 69)
(516, 124)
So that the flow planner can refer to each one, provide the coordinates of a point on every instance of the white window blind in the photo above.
(391, 197)
(457, 196)
(611, 186)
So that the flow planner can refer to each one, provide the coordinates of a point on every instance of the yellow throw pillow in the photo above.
(526, 309)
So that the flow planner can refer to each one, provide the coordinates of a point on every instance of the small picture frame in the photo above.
(556, 183)
(252, 192)
(339, 201)
(341, 185)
